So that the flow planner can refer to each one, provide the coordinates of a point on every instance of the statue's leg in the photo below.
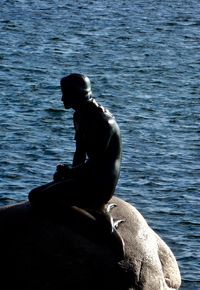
(35, 196)
(55, 197)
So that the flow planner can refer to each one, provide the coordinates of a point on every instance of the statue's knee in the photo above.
(35, 195)
(31, 195)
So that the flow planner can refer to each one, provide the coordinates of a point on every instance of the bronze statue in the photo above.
(91, 180)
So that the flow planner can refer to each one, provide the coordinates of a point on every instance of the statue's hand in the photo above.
(62, 172)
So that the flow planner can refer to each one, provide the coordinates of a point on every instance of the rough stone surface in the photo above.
(39, 253)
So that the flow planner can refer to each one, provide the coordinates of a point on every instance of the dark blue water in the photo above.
(143, 58)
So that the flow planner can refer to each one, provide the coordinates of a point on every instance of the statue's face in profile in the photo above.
(67, 99)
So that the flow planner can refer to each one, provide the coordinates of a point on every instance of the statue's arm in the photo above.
(79, 155)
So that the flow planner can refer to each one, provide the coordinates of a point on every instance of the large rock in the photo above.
(38, 253)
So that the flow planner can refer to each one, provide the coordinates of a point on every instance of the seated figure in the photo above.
(90, 182)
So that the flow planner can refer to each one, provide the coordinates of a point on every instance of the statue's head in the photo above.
(76, 89)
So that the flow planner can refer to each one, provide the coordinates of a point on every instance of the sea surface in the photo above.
(143, 59)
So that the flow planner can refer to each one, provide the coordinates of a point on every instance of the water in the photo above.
(143, 58)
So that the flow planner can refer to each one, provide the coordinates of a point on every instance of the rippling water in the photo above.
(143, 58)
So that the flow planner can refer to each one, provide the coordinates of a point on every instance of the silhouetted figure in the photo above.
(91, 180)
